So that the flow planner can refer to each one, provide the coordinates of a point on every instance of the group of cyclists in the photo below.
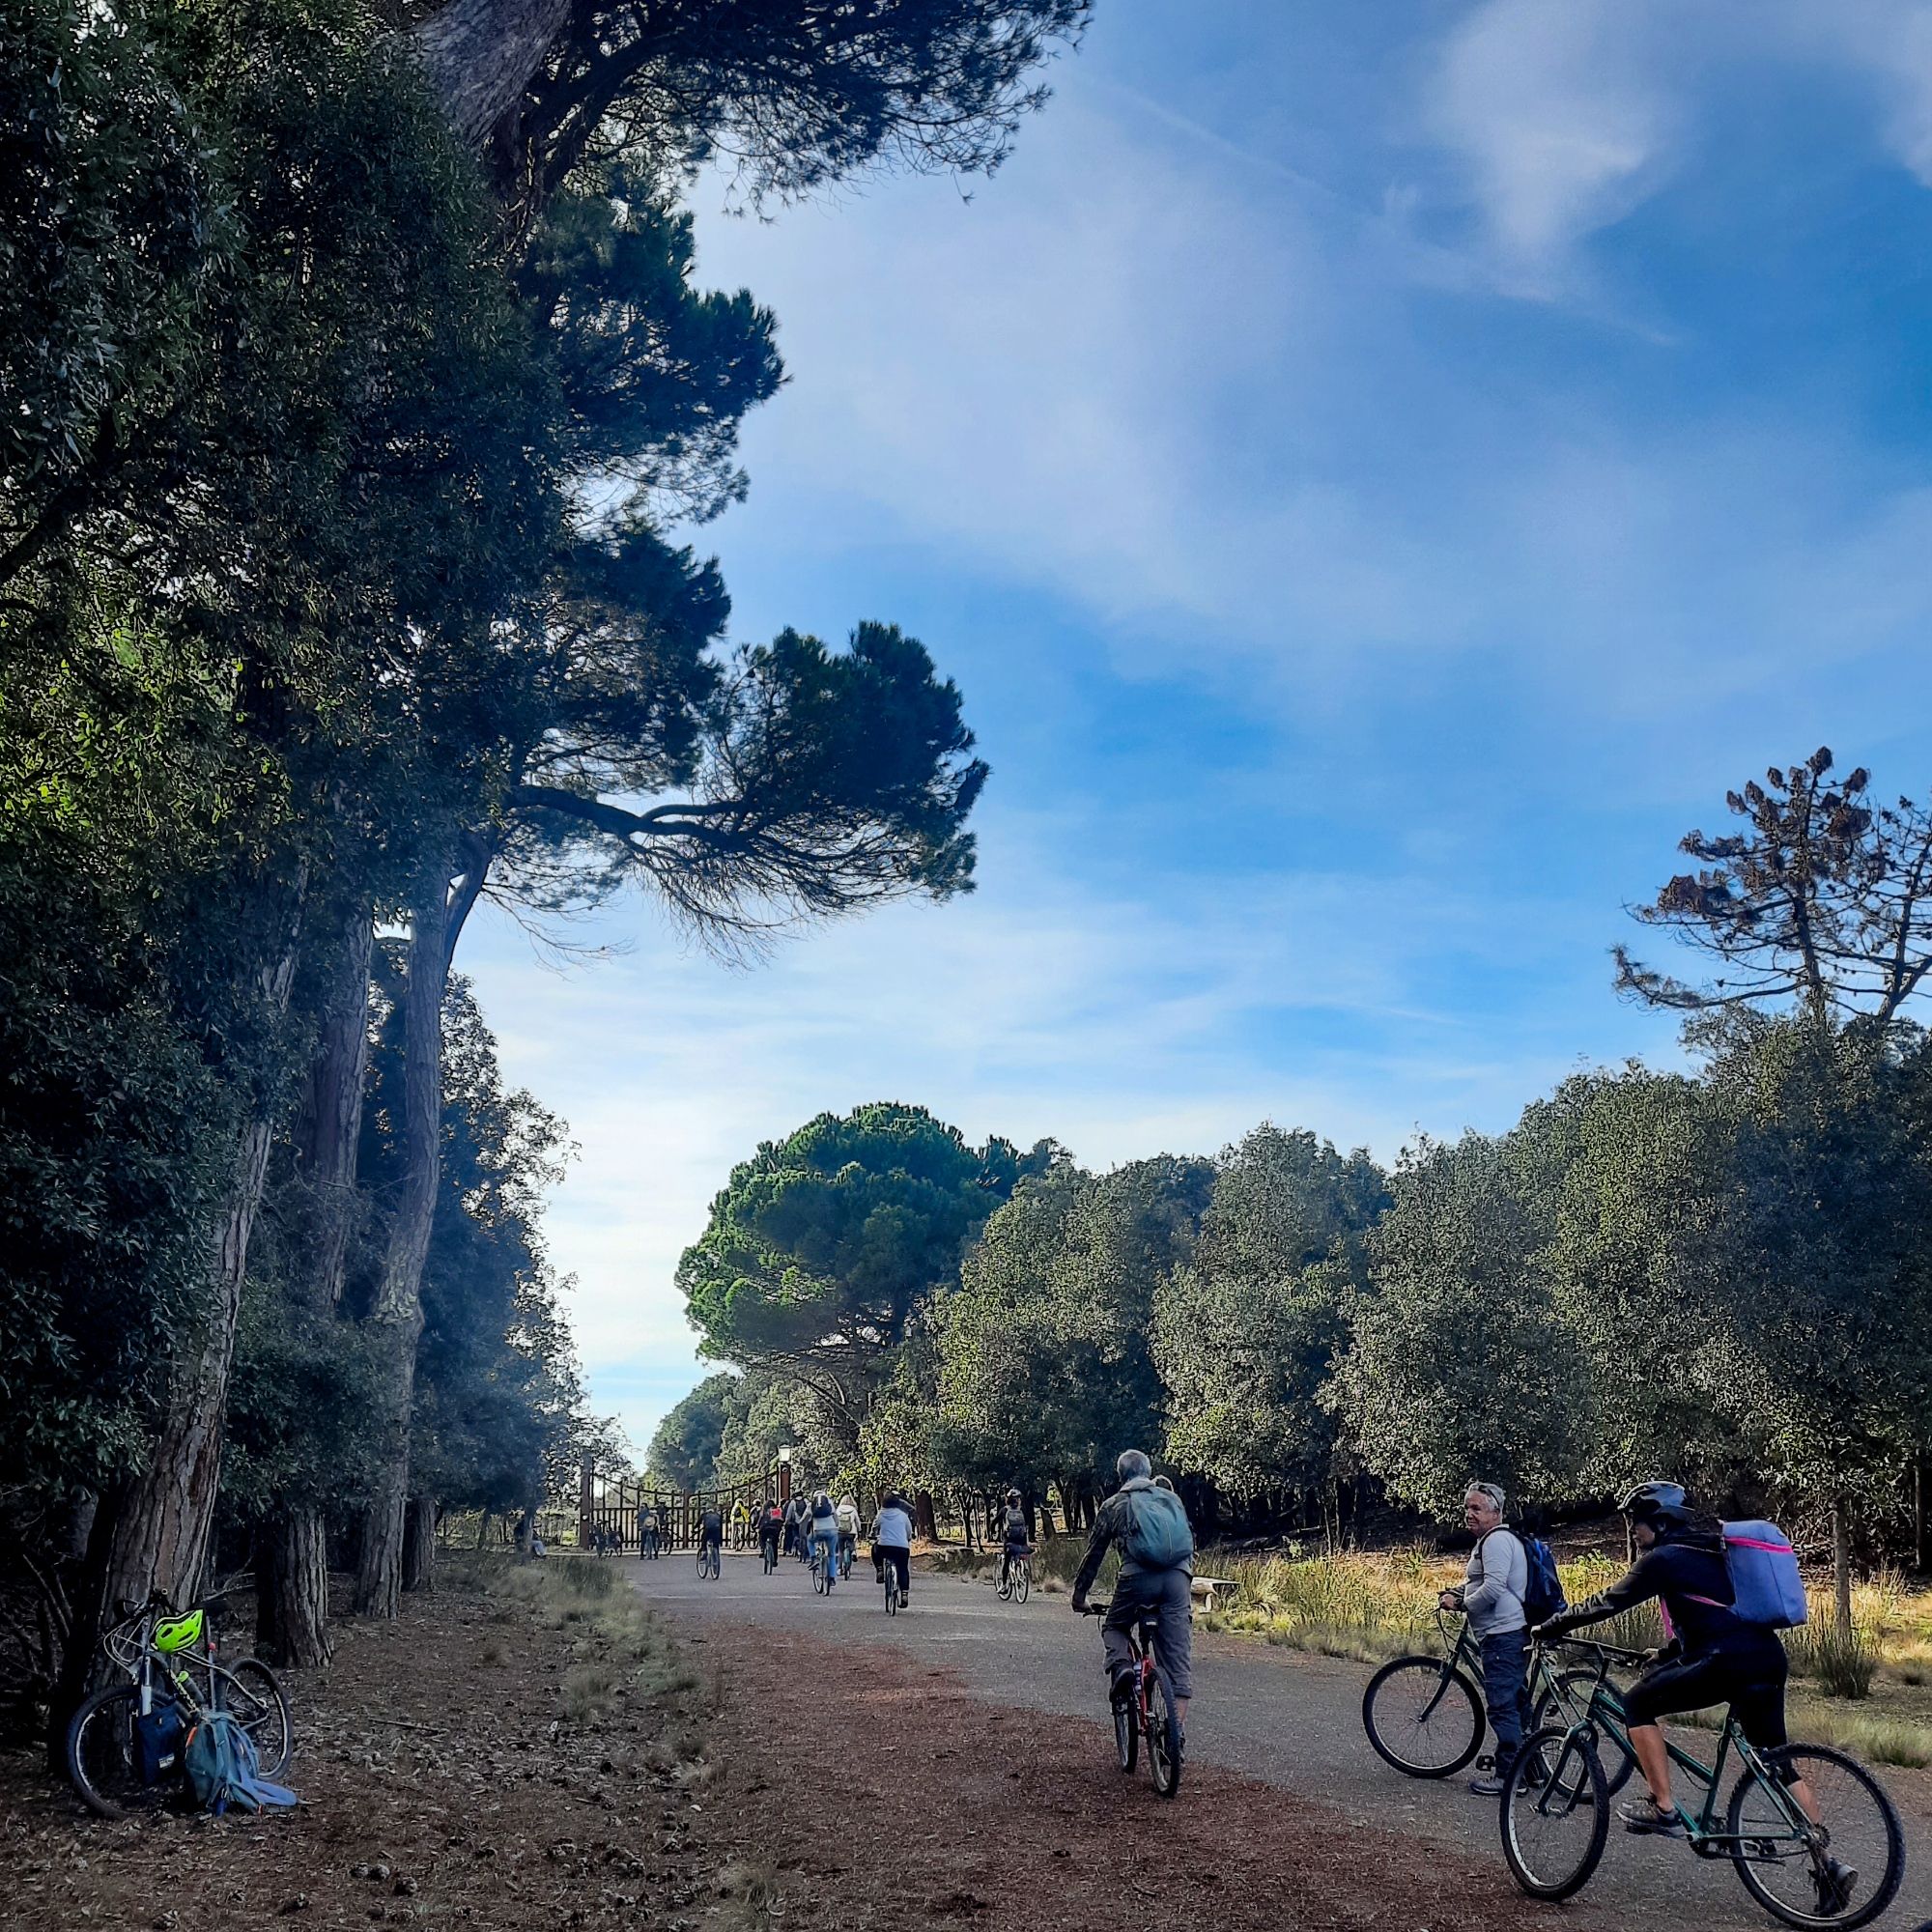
(1714, 1654)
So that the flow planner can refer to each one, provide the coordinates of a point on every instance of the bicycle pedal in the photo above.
(1486, 1764)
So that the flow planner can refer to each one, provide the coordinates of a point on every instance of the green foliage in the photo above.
(1246, 1337)
(1460, 1364)
(824, 1242)
(684, 1452)
(1045, 1370)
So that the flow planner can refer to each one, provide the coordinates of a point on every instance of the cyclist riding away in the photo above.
(1149, 1528)
(848, 1533)
(825, 1537)
(796, 1516)
(891, 1541)
(1713, 1656)
(711, 1533)
(771, 1530)
(1015, 1540)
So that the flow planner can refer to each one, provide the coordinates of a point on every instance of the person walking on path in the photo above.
(1149, 1528)
(1490, 1597)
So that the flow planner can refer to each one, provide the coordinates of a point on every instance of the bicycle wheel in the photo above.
(770, 1557)
(818, 1580)
(1127, 1735)
(1577, 1687)
(1797, 1883)
(1422, 1717)
(1022, 1580)
(102, 1760)
(1003, 1585)
(891, 1591)
(1555, 1814)
(249, 1690)
(1163, 1735)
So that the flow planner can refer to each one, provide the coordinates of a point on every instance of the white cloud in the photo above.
(1562, 120)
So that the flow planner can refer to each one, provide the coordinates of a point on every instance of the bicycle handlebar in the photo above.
(1613, 1652)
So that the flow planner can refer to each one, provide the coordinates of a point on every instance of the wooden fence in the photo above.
(611, 1504)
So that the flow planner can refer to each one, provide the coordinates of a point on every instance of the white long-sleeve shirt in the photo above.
(894, 1529)
(1495, 1583)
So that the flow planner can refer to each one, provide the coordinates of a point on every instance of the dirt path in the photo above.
(794, 1764)
(1289, 1720)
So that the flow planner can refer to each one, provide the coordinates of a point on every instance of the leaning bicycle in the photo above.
(123, 1754)
(1839, 1868)
(1150, 1710)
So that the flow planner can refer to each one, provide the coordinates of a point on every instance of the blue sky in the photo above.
(1378, 474)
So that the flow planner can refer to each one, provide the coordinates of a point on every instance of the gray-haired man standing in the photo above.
(1491, 1599)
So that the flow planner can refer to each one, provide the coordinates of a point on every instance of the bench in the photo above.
(1207, 1590)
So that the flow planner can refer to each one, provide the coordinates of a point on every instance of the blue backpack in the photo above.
(157, 1740)
(1543, 1595)
(1764, 1581)
(222, 1769)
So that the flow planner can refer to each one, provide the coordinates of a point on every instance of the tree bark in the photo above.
(480, 56)
(291, 1619)
(292, 1589)
(419, 1544)
(153, 1533)
(397, 1320)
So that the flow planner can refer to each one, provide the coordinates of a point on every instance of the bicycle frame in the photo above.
(1602, 1712)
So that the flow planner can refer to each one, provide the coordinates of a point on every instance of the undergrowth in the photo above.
(621, 1651)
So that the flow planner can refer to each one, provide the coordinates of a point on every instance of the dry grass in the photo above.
(1375, 1606)
(621, 1651)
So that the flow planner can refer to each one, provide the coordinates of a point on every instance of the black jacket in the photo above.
(1686, 1571)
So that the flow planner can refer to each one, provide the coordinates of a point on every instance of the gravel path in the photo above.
(1282, 1716)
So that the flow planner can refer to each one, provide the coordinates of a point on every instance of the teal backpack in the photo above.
(222, 1771)
(1157, 1536)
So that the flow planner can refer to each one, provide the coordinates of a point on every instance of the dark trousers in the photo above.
(1171, 1594)
(899, 1557)
(1505, 1656)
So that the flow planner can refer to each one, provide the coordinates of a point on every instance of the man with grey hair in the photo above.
(1491, 1597)
(1150, 1527)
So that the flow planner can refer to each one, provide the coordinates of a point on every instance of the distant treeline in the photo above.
(1723, 1275)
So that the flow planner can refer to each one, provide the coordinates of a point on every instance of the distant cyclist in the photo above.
(1714, 1658)
(711, 1534)
(848, 1533)
(1015, 1542)
(796, 1516)
(1149, 1528)
(891, 1541)
(771, 1531)
(741, 1523)
(648, 1530)
(825, 1537)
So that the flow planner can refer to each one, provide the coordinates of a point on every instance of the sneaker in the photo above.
(1643, 1817)
(1121, 1690)
(1486, 1787)
(1836, 1885)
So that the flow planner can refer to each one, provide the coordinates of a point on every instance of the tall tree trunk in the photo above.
(292, 1589)
(291, 1618)
(480, 56)
(397, 1320)
(419, 1544)
(153, 1533)
(1841, 1560)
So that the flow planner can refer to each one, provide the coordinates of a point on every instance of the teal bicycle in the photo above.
(1840, 1869)
(1424, 1712)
